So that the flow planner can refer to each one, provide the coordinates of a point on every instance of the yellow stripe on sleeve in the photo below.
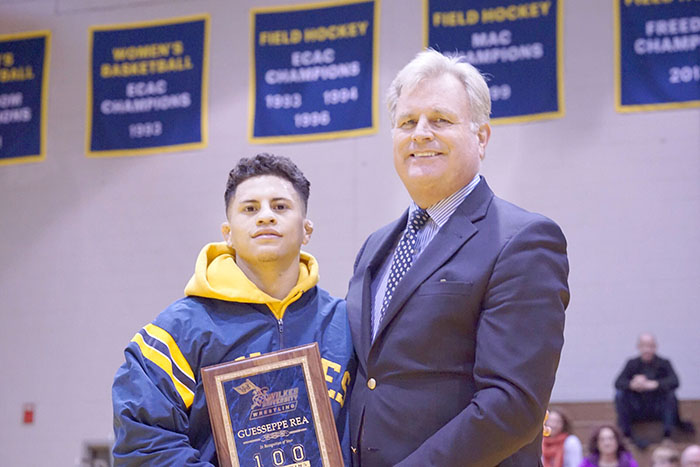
(166, 365)
(179, 359)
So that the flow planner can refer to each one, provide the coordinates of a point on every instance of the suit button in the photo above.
(371, 383)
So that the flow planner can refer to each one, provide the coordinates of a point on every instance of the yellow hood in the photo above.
(216, 275)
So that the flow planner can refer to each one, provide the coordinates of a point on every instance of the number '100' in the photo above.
(278, 457)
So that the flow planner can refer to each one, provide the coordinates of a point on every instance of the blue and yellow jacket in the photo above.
(160, 412)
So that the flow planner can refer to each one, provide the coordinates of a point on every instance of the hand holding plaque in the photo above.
(272, 410)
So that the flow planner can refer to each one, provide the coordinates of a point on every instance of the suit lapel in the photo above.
(455, 233)
(376, 253)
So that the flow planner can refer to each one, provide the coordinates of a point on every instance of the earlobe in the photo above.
(308, 230)
(226, 232)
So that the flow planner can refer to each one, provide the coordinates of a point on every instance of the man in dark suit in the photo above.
(457, 314)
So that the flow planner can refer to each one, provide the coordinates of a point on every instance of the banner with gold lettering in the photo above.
(517, 45)
(147, 87)
(313, 71)
(657, 54)
(24, 80)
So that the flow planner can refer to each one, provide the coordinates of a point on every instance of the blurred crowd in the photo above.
(644, 391)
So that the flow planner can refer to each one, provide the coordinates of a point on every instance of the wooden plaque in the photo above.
(272, 411)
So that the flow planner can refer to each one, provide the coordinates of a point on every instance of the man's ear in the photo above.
(308, 230)
(226, 232)
(484, 134)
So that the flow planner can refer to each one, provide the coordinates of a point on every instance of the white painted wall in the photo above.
(92, 249)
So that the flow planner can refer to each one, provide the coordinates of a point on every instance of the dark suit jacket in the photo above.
(464, 362)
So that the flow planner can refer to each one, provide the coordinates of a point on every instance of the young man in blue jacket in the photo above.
(253, 293)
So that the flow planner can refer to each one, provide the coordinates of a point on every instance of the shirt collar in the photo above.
(441, 211)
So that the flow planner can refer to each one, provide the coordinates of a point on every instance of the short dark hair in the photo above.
(267, 164)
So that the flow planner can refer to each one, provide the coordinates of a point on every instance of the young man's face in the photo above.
(266, 222)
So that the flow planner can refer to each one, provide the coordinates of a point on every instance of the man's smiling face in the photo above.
(436, 150)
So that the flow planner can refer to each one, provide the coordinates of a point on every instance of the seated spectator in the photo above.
(560, 448)
(608, 450)
(665, 456)
(691, 456)
(646, 392)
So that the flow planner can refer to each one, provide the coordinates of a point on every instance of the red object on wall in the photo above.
(28, 414)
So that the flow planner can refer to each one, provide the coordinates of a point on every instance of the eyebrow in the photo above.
(434, 110)
(279, 198)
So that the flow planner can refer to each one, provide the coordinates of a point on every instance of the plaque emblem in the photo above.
(267, 403)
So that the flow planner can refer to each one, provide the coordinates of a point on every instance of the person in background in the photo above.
(665, 456)
(691, 456)
(645, 391)
(560, 448)
(607, 449)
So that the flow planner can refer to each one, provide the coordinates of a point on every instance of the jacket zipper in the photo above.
(280, 328)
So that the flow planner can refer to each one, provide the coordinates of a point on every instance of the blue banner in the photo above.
(518, 46)
(657, 54)
(314, 71)
(24, 78)
(147, 87)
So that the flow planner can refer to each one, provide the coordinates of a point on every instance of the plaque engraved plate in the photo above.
(272, 410)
